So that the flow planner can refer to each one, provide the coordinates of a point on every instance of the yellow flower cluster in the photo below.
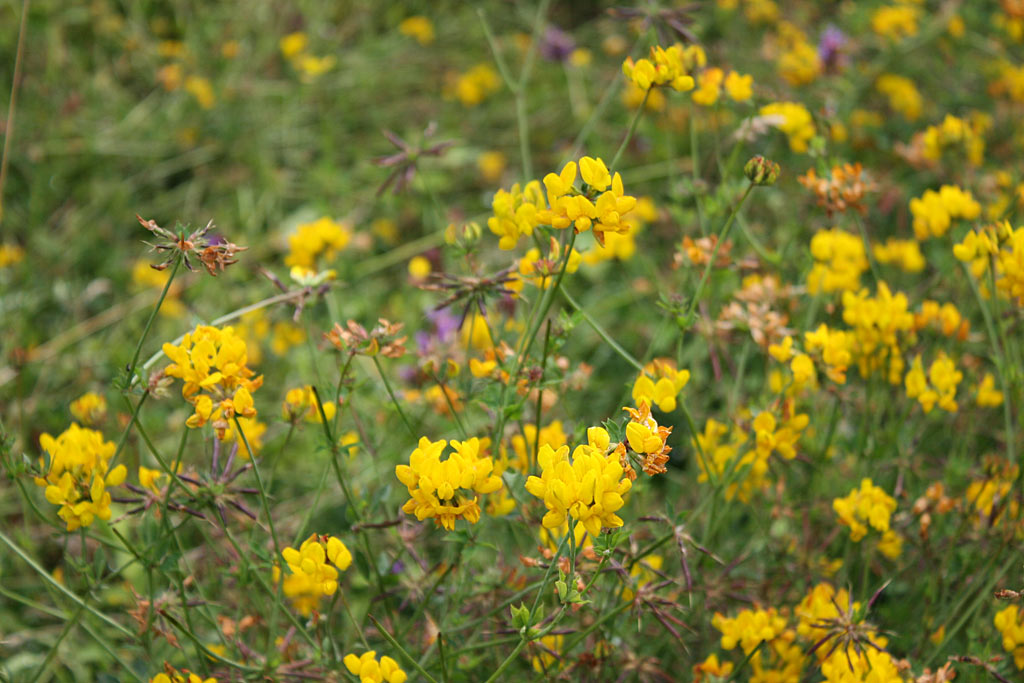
(879, 324)
(711, 667)
(321, 238)
(794, 120)
(588, 488)
(771, 437)
(601, 207)
(956, 133)
(523, 445)
(992, 494)
(10, 254)
(474, 86)
(667, 66)
(648, 439)
(866, 665)
(868, 505)
(300, 402)
(822, 602)
(294, 49)
(749, 628)
(1010, 623)
(800, 364)
(934, 211)
(369, 670)
(659, 384)
(418, 27)
(211, 362)
(799, 63)
(721, 446)
(311, 576)
(622, 245)
(569, 207)
(835, 347)
(515, 212)
(987, 394)
(896, 22)
(445, 489)
(902, 94)
(710, 81)
(77, 477)
(182, 676)
(940, 385)
(904, 254)
(839, 261)
(1001, 246)
(89, 409)
(946, 317)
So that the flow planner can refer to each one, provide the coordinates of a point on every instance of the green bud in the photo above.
(761, 171)
(520, 616)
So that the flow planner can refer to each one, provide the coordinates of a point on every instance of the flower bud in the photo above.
(761, 171)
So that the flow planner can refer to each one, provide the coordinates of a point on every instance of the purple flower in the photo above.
(556, 45)
(830, 47)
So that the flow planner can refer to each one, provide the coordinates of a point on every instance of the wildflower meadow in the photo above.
(512, 341)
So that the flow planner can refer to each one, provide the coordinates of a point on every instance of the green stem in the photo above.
(394, 400)
(714, 253)
(601, 332)
(69, 625)
(60, 587)
(632, 129)
(152, 317)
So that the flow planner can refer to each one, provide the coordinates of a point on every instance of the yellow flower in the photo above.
(474, 86)
(794, 120)
(78, 475)
(588, 488)
(667, 66)
(987, 394)
(369, 670)
(491, 165)
(89, 409)
(10, 254)
(709, 86)
(217, 382)
(648, 439)
(294, 44)
(711, 667)
(1010, 623)
(940, 386)
(839, 261)
(321, 238)
(868, 505)
(418, 27)
(445, 489)
(314, 568)
(749, 628)
(905, 254)
(903, 95)
(739, 87)
(301, 403)
(934, 211)
(201, 89)
(895, 22)
(515, 213)
(662, 392)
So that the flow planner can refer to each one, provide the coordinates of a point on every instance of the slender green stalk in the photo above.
(714, 252)
(630, 131)
(531, 334)
(13, 105)
(60, 587)
(152, 316)
(601, 332)
(69, 626)
(394, 400)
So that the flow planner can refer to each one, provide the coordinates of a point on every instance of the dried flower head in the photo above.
(215, 253)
